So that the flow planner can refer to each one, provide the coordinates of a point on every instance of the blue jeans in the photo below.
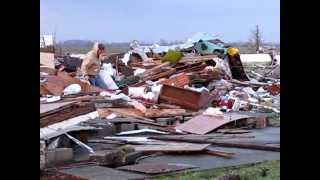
(97, 81)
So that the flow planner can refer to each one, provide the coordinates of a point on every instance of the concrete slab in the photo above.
(204, 161)
(102, 173)
(242, 156)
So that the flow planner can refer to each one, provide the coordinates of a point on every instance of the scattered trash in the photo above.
(72, 89)
(155, 99)
(213, 112)
(51, 99)
(141, 131)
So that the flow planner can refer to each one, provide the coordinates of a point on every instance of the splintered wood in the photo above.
(151, 113)
(172, 147)
(56, 84)
(51, 114)
(179, 81)
(131, 112)
(127, 112)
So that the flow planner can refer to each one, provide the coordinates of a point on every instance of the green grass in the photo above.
(86, 50)
(274, 120)
(268, 170)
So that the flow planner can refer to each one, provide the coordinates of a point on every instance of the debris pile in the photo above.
(158, 100)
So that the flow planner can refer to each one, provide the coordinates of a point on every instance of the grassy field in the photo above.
(269, 170)
(274, 120)
(113, 50)
(83, 46)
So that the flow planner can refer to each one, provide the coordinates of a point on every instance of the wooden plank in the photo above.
(154, 113)
(159, 75)
(68, 112)
(172, 147)
(195, 59)
(152, 125)
(155, 69)
(219, 153)
(255, 146)
(44, 108)
(104, 112)
(248, 83)
(232, 131)
(47, 59)
(247, 146)
(179, 80)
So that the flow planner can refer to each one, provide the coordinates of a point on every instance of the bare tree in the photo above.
(256, 38)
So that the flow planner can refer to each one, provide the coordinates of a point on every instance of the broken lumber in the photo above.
(171, 147)
(232, 131)
(219, 153)
(128, 112)
(155, 69)
(159, 75)
(63, 113)
(221, 143)
(155, 113)
(197, 59)
(176, 95)
(179, 80)
(153, 125)
(56, 84)
(248, 83)
(246, 146)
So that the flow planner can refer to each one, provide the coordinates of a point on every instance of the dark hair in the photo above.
(100, 46)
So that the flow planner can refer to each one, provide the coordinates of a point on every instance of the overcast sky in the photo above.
(151, 20)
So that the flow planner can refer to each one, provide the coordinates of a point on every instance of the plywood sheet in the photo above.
(203, 124)
(52, 106)
(47, 59)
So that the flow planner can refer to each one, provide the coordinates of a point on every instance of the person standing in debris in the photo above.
(235, 64)
(90, 67)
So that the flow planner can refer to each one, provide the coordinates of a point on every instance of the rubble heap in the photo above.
(168, 102)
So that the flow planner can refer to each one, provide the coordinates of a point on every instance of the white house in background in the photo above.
(80, 56)
(277, 59)
(47, 51)
(46, 40)
(255, 58)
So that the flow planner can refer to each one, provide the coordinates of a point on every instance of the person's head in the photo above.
(101, 49)
(232, 51)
